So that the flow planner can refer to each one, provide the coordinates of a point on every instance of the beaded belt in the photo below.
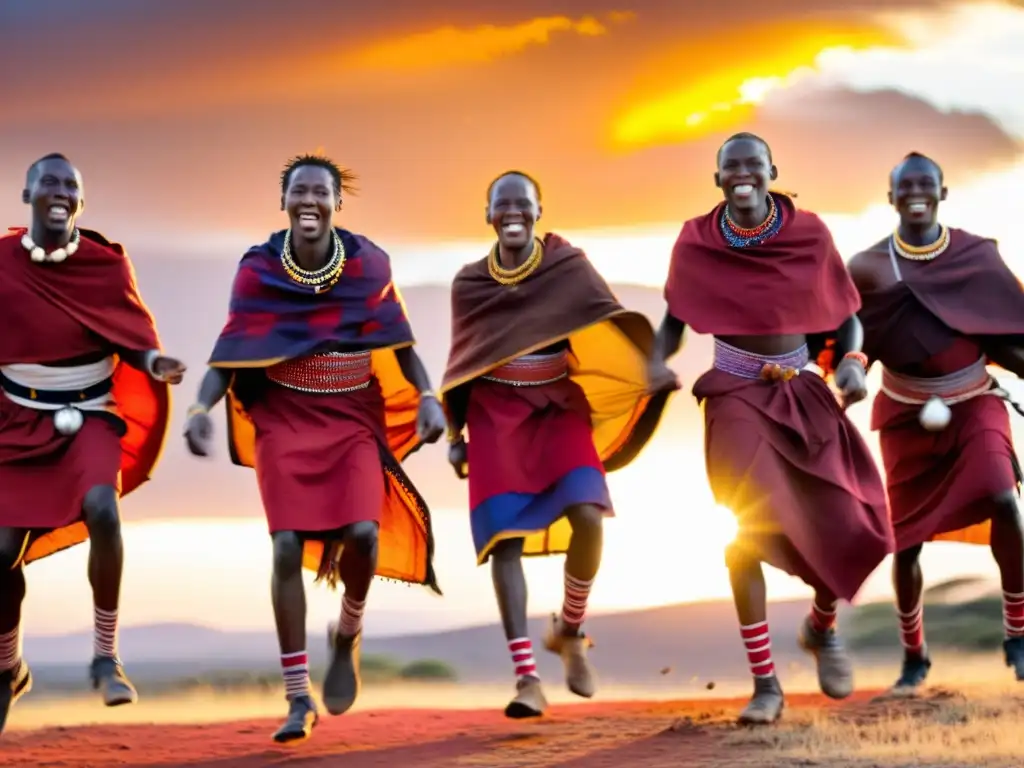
(50, 388)
(329, 373)
(532, 370)
(952, 388)
(747, 365)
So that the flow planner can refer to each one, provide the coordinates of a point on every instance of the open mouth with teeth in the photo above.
(743, 190)
(309, 219)
(918, 207)
(59, 213)
(513, 228)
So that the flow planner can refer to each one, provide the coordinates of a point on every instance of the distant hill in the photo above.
(960, 615)
(698, 639)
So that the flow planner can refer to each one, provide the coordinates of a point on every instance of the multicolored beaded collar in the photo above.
(741, 237)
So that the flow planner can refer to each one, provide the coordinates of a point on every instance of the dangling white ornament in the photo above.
(37, 254)
(68, 420)
(935, 415)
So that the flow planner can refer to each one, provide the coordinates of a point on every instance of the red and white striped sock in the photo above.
(104, 633)
(295, 668)
(522, 657)
(758, 644)
(912, 628)
(10, 649)
(823, 618)
(1013, 613)
(351, 622)
(574, 606)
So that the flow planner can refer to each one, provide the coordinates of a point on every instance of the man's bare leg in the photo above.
(908, 584)
(583, 559)
(288, 596)
(510, 590)
(357, 567)
(15, 678)
(106, 563)
(750, 597)
(1007, 542)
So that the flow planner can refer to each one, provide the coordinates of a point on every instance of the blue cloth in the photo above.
(532, 512)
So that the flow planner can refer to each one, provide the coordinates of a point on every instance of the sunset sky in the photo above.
(180, 116)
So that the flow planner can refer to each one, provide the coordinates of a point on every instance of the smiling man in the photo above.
(83, 411)
(325, 397)
(766, 280)
(938, 304)
(551, 377)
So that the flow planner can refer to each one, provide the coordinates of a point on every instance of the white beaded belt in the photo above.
(52, 387)
(956, 387)
(328, 373)
(936, 394)
(532, 370)
(67, 391)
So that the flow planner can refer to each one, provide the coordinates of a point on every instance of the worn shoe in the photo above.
(1013, 650)
(14, 683)
(913, 674)
(342, 683)
(835, 672)
(108, 676)
(302, 719)
(579, 673)
(766, 705)
(529, 700)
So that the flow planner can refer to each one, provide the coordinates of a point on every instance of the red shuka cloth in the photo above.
(54, 312)
(782, 455)
(324, 461)
(525, 439)
(314, 443)
(929, 324)
(795, 282)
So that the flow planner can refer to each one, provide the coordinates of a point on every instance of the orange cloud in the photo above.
(473, 45)
(757, 60)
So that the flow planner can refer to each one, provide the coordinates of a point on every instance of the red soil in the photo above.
(634, 734)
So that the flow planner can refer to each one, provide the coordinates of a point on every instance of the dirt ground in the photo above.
(945, 728)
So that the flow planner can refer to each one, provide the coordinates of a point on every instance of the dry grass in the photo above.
(971, 727)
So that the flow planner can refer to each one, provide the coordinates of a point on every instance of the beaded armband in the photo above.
(860, 357)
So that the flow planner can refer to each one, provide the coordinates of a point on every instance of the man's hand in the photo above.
(168, 369)
(458, 458)
(851, 381)
(430, 421)
(199, 432)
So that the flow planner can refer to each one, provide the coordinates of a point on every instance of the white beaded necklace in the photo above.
(38, 255)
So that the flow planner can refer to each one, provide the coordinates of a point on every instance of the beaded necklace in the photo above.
(515, 275)
(38, 254)
(321, 279)
(742, 237)
(921, 252)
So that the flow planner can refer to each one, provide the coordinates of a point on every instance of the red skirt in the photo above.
(318, 458)
(942, 482)
(45, 475)
(531, 456)
(524, 439)
(799, 477)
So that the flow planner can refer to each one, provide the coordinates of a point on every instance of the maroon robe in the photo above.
(52, 312)
(782, 455)
(932, 323)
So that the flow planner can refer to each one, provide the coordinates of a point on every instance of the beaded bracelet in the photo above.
(860, 357)
(195, 410)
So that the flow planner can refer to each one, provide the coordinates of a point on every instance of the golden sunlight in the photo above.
(454, 45)
(725, 96)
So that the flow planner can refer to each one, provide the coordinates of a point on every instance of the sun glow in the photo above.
(683, 107)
